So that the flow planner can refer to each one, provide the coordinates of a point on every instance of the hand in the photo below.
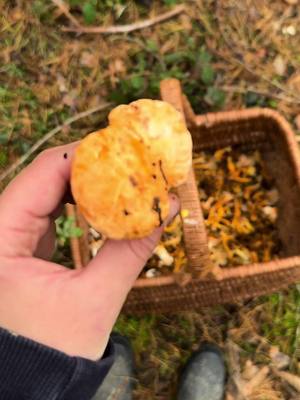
(69, 310)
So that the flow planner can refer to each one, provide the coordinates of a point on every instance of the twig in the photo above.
(256, 381)
(65, 10)
(49, 135)
(233, 351)
(291, 379)
(241, 90)
(127, 28)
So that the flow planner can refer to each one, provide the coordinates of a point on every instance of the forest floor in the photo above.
(227, 55)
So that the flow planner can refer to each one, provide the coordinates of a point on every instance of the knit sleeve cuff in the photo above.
(30, 370)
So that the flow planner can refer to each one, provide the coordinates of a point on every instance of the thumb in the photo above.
(110, 275)
(124, 259)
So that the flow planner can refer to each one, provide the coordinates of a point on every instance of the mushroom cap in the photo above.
(162, 128)
(121, 175)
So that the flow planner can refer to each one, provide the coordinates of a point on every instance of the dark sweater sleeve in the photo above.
(31, 371)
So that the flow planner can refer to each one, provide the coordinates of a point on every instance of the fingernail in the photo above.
(174, 208)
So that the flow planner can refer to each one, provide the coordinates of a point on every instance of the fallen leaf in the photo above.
(70, 99)
(273, 194)
(245, 161)
(163, 255)
(289, 30)
(297, 121)
(291, 379)
(250, 370)
(270, 212)
(219, 256)
(279, 359)
(66, 130)
(95, 247)
(257, 380)
(119, 66)
(16, 14)
(151, 273)
(62, 85)
(229, 396)
(42, 92)
(279, 65)
(88, 59)
(294, 82)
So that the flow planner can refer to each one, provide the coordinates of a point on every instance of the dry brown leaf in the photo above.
(291, 379)
(70, 99)
(64, 9)
(42, 92)
(62, 84)
(294, 83)
(26, 123)
(250, 370)
(89, 60)
(297, 121)
(256, 381)
(229, 396)
(279, 65)
(16, 14)
(119, 65)
(233, 351)
(279, 359)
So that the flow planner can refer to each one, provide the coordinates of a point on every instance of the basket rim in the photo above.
(238, 272)
(244, 114)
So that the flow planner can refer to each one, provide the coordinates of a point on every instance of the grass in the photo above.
(47, 75)
(283, 321)
(173, 338)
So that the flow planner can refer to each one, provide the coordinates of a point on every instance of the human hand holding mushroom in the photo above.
(120, 178)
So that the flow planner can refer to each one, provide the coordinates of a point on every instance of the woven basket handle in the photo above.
(79, 246)
(193, 224)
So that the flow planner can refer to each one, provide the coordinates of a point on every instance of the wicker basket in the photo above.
(260, 128)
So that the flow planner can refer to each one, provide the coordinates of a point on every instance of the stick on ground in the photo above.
(291, 379)
(127, 28)
(65, 10)
(49, 135)
(256, 381)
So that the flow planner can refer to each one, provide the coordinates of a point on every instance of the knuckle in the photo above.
(44, 155)
(142, 248)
